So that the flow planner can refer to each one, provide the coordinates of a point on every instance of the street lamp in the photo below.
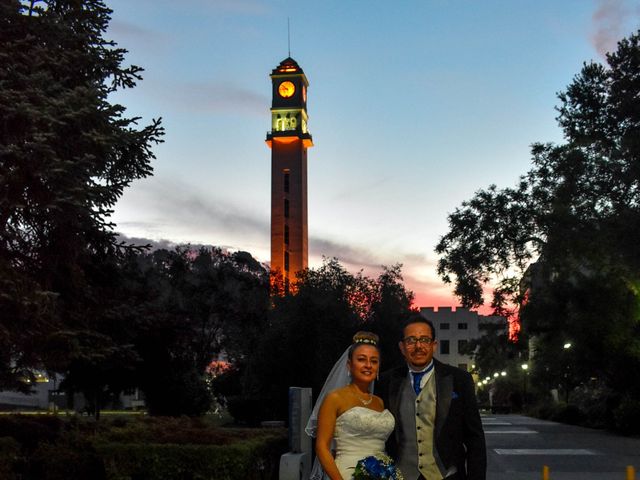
(525, 368)
(566, 347)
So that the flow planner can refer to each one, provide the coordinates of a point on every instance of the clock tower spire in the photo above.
(289, 140)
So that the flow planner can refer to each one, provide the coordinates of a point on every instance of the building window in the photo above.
(461, 345)
(286, 208)
(444, 347)
(462, 366)
(444, 326)
(286, 261)
(462, 326)
(286, 181)
(286, 234)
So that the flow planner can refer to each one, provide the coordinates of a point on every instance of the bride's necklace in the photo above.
(364, 402)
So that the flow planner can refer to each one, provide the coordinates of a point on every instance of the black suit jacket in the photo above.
(459, 437)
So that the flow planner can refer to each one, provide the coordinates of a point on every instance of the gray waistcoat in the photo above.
(416, 452)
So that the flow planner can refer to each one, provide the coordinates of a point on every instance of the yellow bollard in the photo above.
(631, 472)
(545, 472)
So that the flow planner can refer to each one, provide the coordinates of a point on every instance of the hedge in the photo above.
(256, 459)
(9, 449)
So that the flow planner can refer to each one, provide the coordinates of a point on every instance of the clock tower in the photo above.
(289, 140)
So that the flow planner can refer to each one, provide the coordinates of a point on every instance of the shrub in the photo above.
(570, 414)
(247, 410)
(9, 450)
(594, 400)
(179, 430)
(247, 460)
(544, 410)
(137, 448)
(64, 461)
(178, 392)
(30, 431)
(627, 416)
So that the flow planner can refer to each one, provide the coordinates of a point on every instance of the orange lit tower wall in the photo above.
(289, 140)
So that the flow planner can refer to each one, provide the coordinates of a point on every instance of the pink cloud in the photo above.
(609, 24)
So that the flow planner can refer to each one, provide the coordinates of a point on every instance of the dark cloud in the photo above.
(153, 244)
(179, 207)
(356, 258)
(159, 244)
(427, 291)
(131, 31)
(372, 188)
(217, 97)
(173, 211)
(347, 254)
(246, 7)
(182, 203)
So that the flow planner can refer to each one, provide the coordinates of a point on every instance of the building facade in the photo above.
(454, 328)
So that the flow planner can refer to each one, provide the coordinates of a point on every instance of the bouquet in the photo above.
(377, 467)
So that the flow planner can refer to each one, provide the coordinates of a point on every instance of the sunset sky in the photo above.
(413, 106)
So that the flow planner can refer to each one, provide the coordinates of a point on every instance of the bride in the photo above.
(349, 415)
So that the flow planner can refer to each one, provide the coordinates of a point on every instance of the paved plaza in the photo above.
(518, 447)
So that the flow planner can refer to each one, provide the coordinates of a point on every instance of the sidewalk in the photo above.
(558, 476)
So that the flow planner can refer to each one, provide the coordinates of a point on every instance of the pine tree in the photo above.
(66, 155)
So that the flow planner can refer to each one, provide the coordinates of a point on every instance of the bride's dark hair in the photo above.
(364, 338)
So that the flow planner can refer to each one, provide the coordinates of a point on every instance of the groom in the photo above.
(438, 430)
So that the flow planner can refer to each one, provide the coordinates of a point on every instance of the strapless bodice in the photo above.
(360, 432)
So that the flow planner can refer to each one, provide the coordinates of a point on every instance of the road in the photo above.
(519, 446)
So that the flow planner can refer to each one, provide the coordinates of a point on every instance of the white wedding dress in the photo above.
(359, 433)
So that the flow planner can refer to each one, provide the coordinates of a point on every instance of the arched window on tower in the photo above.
(286, 181)
(286, 261)
(286, 234)
(286, 208)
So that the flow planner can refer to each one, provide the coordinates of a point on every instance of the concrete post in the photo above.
(296, 464)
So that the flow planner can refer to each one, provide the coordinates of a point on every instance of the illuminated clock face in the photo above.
(286, 89)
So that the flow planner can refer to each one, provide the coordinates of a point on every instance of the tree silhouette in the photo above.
(67, 154)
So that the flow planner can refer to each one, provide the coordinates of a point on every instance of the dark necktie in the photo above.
(417, 378)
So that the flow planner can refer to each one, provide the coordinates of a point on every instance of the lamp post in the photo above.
(566, 348)
(525, 368)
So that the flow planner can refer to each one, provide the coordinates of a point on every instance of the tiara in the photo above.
(366, 338)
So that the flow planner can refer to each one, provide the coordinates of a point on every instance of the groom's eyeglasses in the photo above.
(413, 341)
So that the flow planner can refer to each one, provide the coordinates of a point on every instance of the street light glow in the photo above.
(503, 373)
(496, 374)
(525, 366)
(567, 345)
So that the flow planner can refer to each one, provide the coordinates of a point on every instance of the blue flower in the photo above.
(377, 467)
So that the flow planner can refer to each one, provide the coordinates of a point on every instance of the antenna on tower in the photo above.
(288, 37)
